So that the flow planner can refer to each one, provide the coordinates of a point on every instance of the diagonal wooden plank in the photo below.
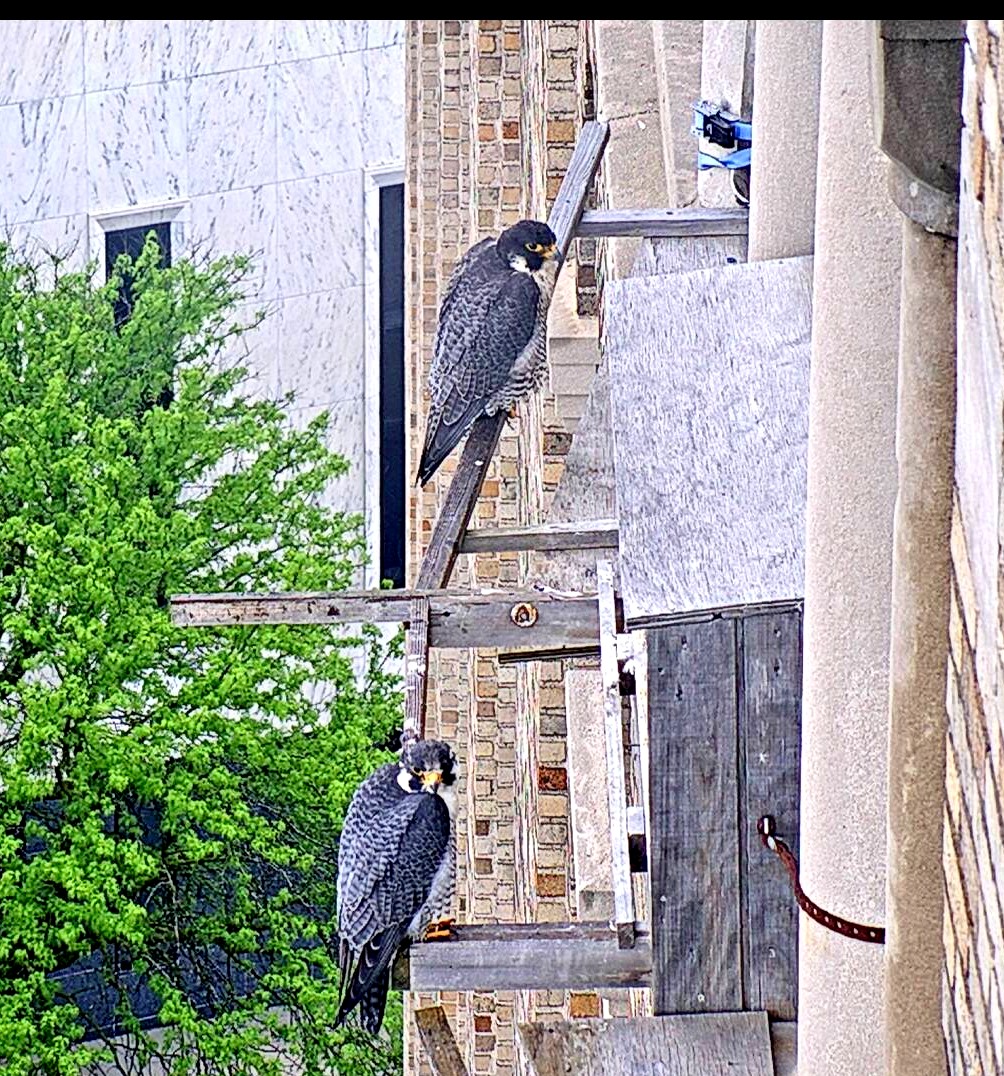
(455, 514)
(440, 1045)
(620, 861)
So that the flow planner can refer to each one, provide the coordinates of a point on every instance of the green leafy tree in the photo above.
(170, 798)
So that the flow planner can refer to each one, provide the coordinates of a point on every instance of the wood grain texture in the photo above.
(769, 748)
(416, 667)
(456, 619)
(693, 841)
(455, 514)
(688, 222)
(437, 1038)
(660, 256)
(713, 1044)
(593, 534)
(526, 956)
(709, 375)
(458, 507)
(613, 735)
(587, 793)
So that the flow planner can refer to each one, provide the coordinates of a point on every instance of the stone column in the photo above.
(785, 125)
(921, 582)
(726, 79)
(849, 521)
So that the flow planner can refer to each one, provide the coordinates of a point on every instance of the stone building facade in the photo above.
(225, 131)
(494, 107)
(973, 1005)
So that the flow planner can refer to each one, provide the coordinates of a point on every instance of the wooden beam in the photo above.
(458, 620)
(693, 221)
(620, 861)
(554, 653)
(593, 534)
(526, 956)
(738, 1043)
(440, 1045)
(455, 514)
(416, 667)
(693, 845)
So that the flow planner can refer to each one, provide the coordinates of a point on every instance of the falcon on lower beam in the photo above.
(491, 345)
(397, 861)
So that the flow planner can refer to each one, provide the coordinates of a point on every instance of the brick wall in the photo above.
(973, 1009)
(494, 106)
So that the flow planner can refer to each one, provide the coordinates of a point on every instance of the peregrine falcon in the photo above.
(491, 345)
(397, 861)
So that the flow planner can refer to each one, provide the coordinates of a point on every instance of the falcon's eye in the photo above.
(535, 248)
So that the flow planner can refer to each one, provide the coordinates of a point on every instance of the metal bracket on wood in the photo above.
(847, 927)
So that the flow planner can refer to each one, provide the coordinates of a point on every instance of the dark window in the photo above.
(392, 429)
(130, 241)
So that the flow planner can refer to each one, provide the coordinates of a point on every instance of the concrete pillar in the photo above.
(921, 582)
(848, 568)
(726, 79)
(677, 44)
(785, 126)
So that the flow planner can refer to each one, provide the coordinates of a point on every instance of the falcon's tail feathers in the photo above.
(366, 980)
(439, 443)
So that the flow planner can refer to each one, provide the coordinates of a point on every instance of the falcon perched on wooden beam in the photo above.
(491, 346)
(397, 863)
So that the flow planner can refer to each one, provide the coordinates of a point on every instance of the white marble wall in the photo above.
(261, 136)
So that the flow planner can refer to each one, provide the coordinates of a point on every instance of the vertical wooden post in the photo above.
(616, 787)
(416, 669)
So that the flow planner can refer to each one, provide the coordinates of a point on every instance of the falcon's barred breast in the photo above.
(491, 345)
(396, 870)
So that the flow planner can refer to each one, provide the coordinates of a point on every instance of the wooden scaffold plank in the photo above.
(616, 785)
(456, 620)
(547, 537)
(455, 514)
(526, 956)
(693, 847)
(686, 223)
(700, 1045)
(416, 667)
(440, 1045)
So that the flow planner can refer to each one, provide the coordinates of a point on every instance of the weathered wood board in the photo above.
(693, 851)
(684, 222)
(712, 1044)
(770, 647)
(613, 726)
(456, 619)
(526, 956)
(437, 1038)
(724, 701)
(591, 534)
(709, 376)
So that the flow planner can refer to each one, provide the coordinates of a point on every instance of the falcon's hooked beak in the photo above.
(550, 252)
(431, 780)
